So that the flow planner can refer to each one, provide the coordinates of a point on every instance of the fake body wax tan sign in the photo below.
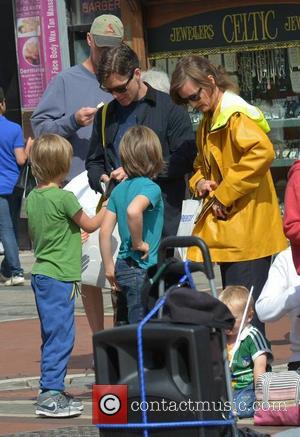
(38, 49)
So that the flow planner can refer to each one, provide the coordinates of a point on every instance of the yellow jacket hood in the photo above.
(232, 103)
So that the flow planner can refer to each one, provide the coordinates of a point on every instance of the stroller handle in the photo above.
(171, 242)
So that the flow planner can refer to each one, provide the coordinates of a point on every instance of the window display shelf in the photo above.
(282, 162)
(274, 123)
(283, 122)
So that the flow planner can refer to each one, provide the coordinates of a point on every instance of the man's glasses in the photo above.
(193, 97)
(121, 89)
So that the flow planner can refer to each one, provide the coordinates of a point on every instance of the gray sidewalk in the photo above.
(18, 302)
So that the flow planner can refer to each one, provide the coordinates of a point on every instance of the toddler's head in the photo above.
(140, 152)
(236, 297)
(51, 157)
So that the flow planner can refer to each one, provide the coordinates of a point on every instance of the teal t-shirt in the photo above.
(153, 217)
(56, 237)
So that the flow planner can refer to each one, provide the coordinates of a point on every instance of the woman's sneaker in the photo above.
(15, 280)
(56, 404)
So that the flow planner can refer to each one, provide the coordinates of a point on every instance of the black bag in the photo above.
(187, 305)
(26, 182)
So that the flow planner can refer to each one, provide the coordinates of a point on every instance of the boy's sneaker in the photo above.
(75, 402)
(15, 280)
(56, 404)
(3, 278)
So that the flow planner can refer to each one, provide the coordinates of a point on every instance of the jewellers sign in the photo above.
(227, 29)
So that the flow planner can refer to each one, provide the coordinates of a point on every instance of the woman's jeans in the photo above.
(130, 277)
(243, 400)
(10, 265)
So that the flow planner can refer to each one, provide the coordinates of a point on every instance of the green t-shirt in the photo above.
(252, 345)
(56, 237)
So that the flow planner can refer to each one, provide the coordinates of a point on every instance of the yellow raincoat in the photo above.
(234, 151)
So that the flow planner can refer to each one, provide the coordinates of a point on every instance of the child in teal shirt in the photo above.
(136, 205)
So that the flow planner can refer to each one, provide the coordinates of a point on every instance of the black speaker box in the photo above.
(182, 363)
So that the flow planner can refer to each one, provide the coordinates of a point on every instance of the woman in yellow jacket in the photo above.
(240, 220)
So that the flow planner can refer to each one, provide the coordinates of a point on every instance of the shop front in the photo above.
(51, 35)
(258, 42)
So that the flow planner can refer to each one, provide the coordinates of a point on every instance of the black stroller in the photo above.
(174, 369)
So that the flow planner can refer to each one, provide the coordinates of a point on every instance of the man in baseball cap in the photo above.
(107, 31)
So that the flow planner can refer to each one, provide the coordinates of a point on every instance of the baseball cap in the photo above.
(107, 31)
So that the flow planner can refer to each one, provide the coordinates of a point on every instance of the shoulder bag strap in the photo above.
(103, 120)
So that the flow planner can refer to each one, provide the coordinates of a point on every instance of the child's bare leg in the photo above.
(92, 300)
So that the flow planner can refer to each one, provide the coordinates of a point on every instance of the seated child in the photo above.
(251, 353)
(136, 205)
(55, 218)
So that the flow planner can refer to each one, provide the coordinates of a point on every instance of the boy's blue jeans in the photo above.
(10, 265)
(130, 278)
(244, 399)
(56, 312)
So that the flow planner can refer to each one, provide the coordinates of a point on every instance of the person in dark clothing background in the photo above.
(137, 103)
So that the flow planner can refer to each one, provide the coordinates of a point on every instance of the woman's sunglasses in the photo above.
(193, 97)
(121, 89)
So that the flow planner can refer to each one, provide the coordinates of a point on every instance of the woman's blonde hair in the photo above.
(197, 69)
(50, 157)
(236, 295)
(140, 152)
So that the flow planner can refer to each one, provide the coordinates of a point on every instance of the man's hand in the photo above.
(205, 186)
(85, 116)
(118, 174)
(142, 247)
(104, 178)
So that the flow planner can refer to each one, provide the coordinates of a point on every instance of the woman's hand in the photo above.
(219, 210)
(205, 186)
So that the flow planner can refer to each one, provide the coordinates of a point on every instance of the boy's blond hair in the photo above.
(236, 295)
(50, 157)
(140, 152)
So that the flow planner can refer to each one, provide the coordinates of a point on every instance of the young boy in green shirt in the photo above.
(250, 355)
(55, 218)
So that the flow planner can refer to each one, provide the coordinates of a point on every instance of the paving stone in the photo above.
(74, 431)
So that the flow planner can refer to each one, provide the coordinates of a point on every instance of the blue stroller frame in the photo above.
(207, 268)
